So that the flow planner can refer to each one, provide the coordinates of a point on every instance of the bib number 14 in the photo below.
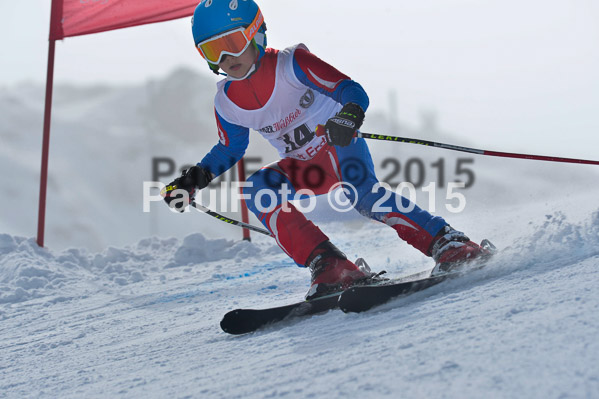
(300, 136)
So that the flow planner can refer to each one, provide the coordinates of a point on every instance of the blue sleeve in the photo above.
(234, 140)
(324, 78)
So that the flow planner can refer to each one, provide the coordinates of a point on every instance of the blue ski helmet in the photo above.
(213, 17)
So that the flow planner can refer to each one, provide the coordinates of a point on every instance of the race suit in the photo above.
(292, 92)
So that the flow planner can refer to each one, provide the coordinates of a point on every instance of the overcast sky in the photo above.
(515, 75)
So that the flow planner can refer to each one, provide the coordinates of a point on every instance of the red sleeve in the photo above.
(308, 66)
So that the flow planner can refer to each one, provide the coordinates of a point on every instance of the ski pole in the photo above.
(225, 219)
(320, 131)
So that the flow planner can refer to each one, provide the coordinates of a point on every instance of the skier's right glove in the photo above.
(192, 179)
(342, 127)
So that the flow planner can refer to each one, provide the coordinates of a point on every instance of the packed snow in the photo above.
(143, 320)
(104, 312)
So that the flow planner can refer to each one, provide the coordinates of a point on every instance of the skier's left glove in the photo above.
(342, 127)
(192, 179)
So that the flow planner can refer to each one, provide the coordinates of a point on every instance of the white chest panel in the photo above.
(289, 118)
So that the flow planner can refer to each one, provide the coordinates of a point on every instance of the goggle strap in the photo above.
(259, 38)
(252, 29)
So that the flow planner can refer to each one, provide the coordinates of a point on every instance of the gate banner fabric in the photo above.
(81, 17)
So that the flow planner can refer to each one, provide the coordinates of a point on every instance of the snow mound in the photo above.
(197, 249)
(29, 272)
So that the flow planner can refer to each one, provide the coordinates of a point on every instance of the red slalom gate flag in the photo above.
(81, 17)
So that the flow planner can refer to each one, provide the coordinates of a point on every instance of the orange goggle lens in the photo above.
(233, 43)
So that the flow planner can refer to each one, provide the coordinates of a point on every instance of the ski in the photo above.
(354, 299)
(358, 298)
(243, 321)
(362, 298)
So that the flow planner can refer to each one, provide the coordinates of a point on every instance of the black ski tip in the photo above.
(225, 323)
(243, 321)
(239, 321)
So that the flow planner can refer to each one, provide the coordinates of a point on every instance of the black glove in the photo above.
(342, 127)
(192, 179)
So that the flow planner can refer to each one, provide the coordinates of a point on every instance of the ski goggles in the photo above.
(233, 42)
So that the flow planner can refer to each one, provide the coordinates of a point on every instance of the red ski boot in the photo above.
(332, 271)
(451, 249)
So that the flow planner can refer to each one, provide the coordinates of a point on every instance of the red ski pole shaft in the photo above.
(320, 131)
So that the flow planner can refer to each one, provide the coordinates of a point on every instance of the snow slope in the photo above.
(105, 314)
(142, 320)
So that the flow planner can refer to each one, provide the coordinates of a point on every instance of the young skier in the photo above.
(285, 95)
